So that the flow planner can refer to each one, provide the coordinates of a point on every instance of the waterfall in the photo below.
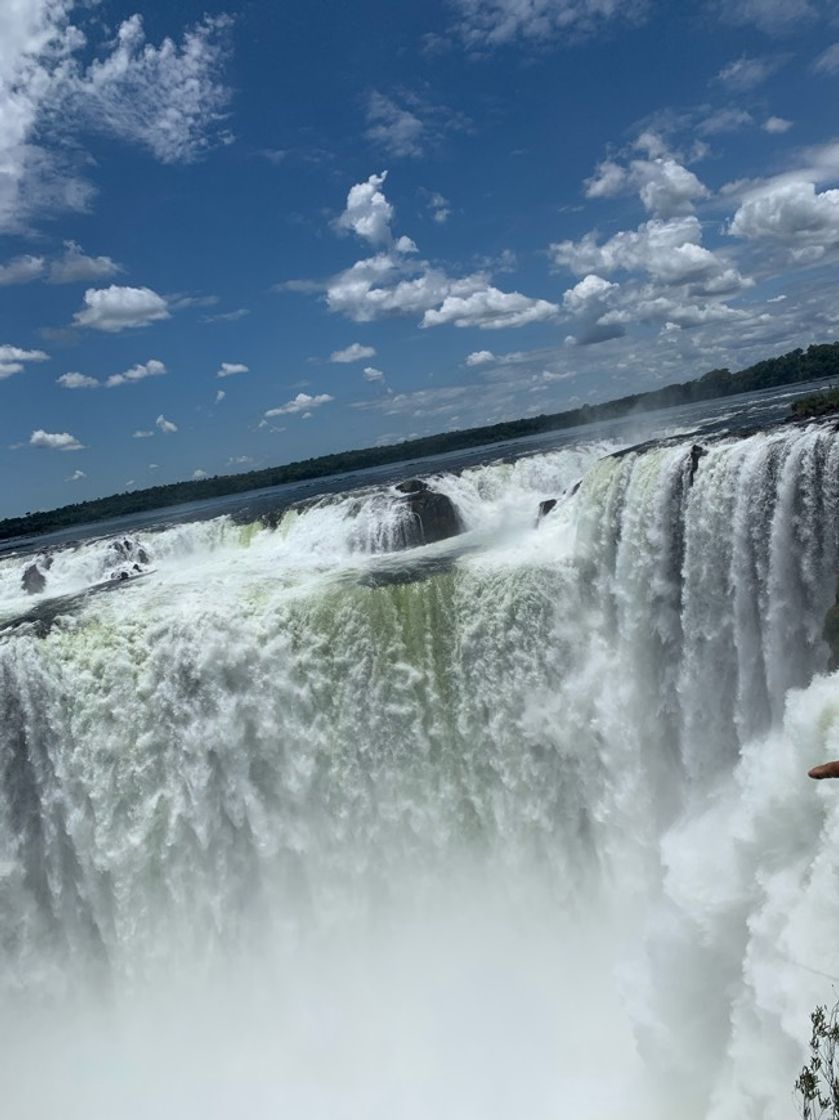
(522, 831)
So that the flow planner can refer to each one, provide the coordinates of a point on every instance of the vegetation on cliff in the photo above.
(819, 404)
(817, 1087)
(818, 361)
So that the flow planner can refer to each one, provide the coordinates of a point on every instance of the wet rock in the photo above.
(545, 508)
(130, 556)
(412, 486)
(434, 517)
(697, 452)
(33, 580)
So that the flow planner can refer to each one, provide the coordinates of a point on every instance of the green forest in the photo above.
(818, 361)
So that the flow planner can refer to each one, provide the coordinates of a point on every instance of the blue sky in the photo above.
(235, 236)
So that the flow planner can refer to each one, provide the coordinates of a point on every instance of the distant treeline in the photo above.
(799, 365)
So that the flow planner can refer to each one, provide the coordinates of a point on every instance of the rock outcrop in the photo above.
(33, 580)
(434, 517)
(131, 559)
(696, 453)
(545, 508)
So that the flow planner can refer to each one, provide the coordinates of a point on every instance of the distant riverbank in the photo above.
(816, 363)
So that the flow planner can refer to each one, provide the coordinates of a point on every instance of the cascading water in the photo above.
(516, 824)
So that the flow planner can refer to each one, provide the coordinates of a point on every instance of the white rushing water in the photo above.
(513, 825)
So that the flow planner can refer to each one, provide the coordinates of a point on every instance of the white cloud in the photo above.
(591, 289)
(13, 359)
(151, 368)
(140, 434)
(486, 24)
(115, 308)
(666, 188)
(440, 207)
(396, 282)
(776, 125)
(389, 284)
(490, 309)
(76, 476)
(301, 403)
(769, 15)
(668, 251)
(368, 213)
(78, 381)
(55, 441)
(792, 214)
(230, 369)
(479, 357)
(227, 316)
(394, 128)
(220, 395)
(199, 474)
(725, 120)
(165, 426)
(355, 352)
(405, 125)
(372, 374)
(828, 61)
(745, 73)
(75, 266)
(21, 270)
(165, 98)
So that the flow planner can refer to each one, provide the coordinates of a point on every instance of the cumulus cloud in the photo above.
(665, 187)
(368, 213)
(668, 251)
(220, 395)
(230, 369)
(166, 98)
(486, 24)
(151, 368)
(199, 474)
(21, 270)
(76, 476)
(792, 214)
(480, 357)
(13, 359)
(78, 381)
(116, 308)
(141, 434)
(490, 309)
(76, 267)
(355, 352)
(55, 441)
(373, 374)
(301, 403)
(777, 125)
(397, 282)
(165, 426)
